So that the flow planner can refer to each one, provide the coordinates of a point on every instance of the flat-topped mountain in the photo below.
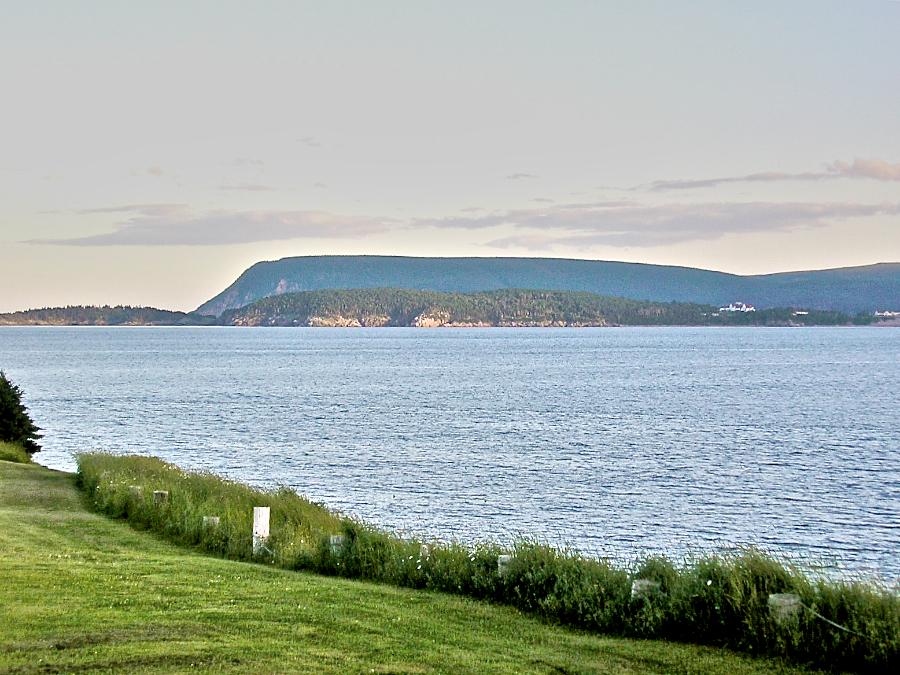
(850, 289)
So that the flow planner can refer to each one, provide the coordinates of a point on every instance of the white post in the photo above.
(136, 492)
(260, 528)
(160, 497)
(503, 563)
(784, 607)
(644, 588)
(210, 521)
(337, 544)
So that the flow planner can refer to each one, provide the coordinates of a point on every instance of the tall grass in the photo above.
(296, 524)
(13, 452)
(716, 599)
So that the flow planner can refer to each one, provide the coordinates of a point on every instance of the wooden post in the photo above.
(644, 588)
(784, 607)
(210, 521)
(136, 492)
(503, 563)
(260, 528)
(160, 497)
(337, 544)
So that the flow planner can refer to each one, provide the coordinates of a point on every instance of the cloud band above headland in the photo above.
(612, 223)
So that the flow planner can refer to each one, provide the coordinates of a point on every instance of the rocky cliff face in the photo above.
(338, 321)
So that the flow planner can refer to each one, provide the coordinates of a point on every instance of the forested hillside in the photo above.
(403, 307)
(100, 316)
(507, 307)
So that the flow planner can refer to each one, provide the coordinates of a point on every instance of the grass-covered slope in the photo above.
(715, 599)
(13, 452)
(84, 594)
(850, 290)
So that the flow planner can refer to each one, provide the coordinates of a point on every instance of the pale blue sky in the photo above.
(150, 152)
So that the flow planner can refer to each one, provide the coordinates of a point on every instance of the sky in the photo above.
(150, 152)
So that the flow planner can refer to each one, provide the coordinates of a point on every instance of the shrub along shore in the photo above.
(83, 593)
(743, 600)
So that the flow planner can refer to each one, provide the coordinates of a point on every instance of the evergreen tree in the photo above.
(15, 424)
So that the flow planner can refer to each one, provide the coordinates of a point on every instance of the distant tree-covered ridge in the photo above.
(404, 307)
(506, 307)
(101, 316)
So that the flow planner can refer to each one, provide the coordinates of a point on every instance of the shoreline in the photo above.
(714, 598)
(138, 604)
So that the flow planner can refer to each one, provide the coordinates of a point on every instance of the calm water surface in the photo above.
(614, 441)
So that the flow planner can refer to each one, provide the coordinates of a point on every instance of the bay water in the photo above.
(617, 442)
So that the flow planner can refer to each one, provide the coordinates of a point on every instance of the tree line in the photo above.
(506, 307)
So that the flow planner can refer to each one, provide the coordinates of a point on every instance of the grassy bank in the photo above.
(13, 452)
(720, 600)
(85, 594)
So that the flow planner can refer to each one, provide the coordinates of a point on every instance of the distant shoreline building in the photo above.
(738, 307)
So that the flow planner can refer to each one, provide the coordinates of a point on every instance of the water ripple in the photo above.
(614, 441)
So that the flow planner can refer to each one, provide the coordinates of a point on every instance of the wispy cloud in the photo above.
(628, 224)
(530, 242)
(321, 186)
(179, 225)
(308, 141)
(246, 161)
(147, 209)
(869, 168)
(876, 169)
(156, 171)
(606, 223)
(518, 176)
(246, 187)
(767, 177)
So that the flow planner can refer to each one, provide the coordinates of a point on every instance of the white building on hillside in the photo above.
(738, 307)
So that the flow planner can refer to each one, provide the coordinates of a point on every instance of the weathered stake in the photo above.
(644, 588)
(260, 528)
(503, 563)
(210, 521)
(337, 544)
(784, 607)
(160, 497)
(137, 492)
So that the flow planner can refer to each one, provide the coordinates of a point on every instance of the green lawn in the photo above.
(82, 594)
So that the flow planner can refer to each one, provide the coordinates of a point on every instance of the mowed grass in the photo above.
(83, 594)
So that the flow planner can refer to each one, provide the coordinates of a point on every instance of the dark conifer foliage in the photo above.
(15, 423)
